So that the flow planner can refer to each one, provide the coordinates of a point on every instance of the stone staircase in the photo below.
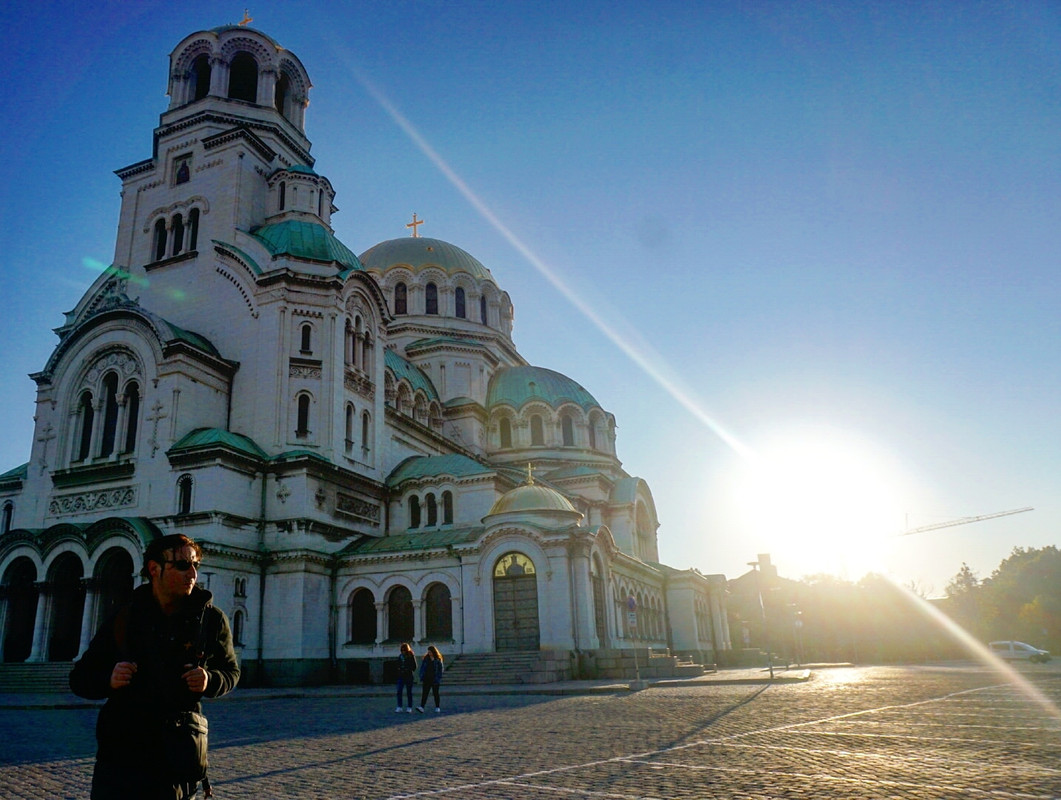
(507, 668)
(45, 678)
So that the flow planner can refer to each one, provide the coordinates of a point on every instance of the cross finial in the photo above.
(246, 18)
(530, 474)
(413, 225)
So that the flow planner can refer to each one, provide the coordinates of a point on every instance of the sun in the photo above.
(822, 500)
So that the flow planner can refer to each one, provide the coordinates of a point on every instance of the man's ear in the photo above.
(154, 569)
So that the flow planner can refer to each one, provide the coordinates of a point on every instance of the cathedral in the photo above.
(355, 440)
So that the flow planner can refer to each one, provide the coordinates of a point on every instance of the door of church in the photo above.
(515, 604)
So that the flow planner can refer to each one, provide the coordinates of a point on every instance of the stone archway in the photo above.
(20, 589)
(516, 625)
(114, 582)
(67, 607)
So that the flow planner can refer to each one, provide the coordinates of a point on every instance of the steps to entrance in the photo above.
(508, 668)
(49, 677)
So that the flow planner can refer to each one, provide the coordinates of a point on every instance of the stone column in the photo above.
(91, 586)
(40, 623)
(381, 618)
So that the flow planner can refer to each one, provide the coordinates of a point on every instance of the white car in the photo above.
(1019, 651)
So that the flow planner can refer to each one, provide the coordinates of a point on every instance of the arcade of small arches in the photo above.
(424, 509)
(175, 236)
(397, 618)
(106, 408)
(414, 403)
(433, 295)
(539, 425)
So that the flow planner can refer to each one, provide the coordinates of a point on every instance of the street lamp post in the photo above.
(762, 609)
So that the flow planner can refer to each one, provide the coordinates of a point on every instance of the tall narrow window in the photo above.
(110, 414)
(431, 299)
(432, 510)
(182, 169)
(365, 441)
(567, 428)
(592, 428)
(537, 431)
(184, 494)
(237, 628)
(283, 195)
(349, 427)
(320, 203)
(178, 235)
(506, 432)
(482, 308)
(160, 239)
(87, 415)
(401, 296)
(302, 428)
(307, 338)
(414, 512)
(132, 414)
(9, 512)
(459, 300)
(283, 86)
(193, 229)
(201, 77)
(447, 508)
(243, 78)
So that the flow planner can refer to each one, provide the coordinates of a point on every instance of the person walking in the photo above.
(406, 677)
(431, 667)
(153, 661)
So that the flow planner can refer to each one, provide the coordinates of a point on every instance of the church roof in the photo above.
(213, 437)
(516, 386)
(406, 369)
(306, 240)
(417, 253)
(454, 464)
(532, 497)
(421, 540)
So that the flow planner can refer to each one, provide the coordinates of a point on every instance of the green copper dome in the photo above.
(516, 386)
(417, 253)
(306, 240)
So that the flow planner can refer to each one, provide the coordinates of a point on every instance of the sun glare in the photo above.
(820, 499)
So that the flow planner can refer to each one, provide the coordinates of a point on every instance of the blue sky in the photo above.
(807, 252)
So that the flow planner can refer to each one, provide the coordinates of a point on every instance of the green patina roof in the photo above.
(625, 490)
(192, 338)
(404, 542)
(516, 386)
(306, 240)
(454, 464)
(417, 253)
(301, 453)
(412, 373)
(574, 472)
(300, 168)
(241, 255)
(17, 472)
(215, 437)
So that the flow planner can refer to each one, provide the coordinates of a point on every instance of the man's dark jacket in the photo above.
(128, 731)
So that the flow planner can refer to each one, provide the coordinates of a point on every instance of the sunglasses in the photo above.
(183, 565)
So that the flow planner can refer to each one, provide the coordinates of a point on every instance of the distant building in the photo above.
(356, 440)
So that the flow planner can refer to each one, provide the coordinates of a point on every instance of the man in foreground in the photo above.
(153, 661)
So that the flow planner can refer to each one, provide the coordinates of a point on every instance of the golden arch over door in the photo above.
(515, 604)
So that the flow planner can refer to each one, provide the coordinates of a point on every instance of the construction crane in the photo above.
(963, 521)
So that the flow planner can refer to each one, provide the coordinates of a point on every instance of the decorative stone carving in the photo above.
(87, 502)
(356, 507)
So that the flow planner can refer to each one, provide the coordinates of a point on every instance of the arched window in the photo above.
(365, 431)
(400, 615)
(537, 431)
(447, 508)
(132, 415)
(200, 77)
(87, 415)
(110, 414)
(237, 628)
(283, 86)
(401, 299)
(243, 78)
(283, 195)
(482, 308)
(320, 203)
(459, 299)
(5, 518)
(160, 239)
(438, 613)
(362, 617)
(184, 494)
(506, 432)
(431, 299)
(182, 172)
(567, 428)
(349, 427)
(592, 428)
(302, 426)
(193, 229)
(414, 512)
(178, 235)
(307, 338)
(432, 511)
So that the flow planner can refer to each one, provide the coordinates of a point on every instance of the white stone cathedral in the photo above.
(356, 441)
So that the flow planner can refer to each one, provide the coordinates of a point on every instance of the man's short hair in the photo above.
(157, 547)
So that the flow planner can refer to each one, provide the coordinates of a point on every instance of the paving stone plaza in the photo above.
(899, 732)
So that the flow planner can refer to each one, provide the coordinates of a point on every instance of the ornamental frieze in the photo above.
(301, 371)
(88, 502)
(357, 507)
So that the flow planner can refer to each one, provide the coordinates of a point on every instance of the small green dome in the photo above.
(417, 253)
(532, 497)
(306, 240)
(516, 386)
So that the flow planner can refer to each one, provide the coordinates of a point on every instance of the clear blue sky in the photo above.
(816, 243)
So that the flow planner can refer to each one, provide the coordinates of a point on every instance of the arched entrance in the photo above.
(114, 582)
(20, 586)
(67, 606)
(515, 604)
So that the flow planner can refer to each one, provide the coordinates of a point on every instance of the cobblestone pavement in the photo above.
(953, 731)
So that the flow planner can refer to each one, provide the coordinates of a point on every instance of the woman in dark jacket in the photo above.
(406, 677)
(431, 667)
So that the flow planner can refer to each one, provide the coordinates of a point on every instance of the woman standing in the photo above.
(431, 667)
(406, 677)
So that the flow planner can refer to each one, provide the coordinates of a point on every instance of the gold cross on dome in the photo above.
(530, 474)
(246, 18)
(413, 224)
